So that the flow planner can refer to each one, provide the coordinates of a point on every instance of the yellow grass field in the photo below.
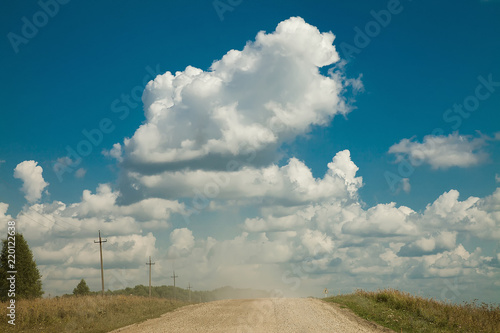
(85, 313)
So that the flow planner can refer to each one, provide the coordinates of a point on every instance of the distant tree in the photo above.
(28, 279)
(81, 289)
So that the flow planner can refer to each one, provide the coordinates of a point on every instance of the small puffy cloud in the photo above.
(4, 217)
(115, 152)
(182, 242)
(405, 185)
(243, 108)
(382, 220)
(80, 173)
(447, 207)
(62, 163)
(497, 178)
(275, 223)
(95, 204)
(452, 263)
(33, 183)
(3, 209)
(444, 241)
(442, 152)
(479, 217)
(317, 242)
(343, 167)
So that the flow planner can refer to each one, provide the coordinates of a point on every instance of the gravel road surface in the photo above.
(257, 315)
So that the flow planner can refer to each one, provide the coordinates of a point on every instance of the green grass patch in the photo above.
(399, 310)
(84, 314)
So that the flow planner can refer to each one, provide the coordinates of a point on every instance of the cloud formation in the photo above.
(442, 152)
(80, 173)
(291, 184)
(33, 183)
(243, 108)
(97, 211)
(293, 247)
(208, 154)
(182, 242)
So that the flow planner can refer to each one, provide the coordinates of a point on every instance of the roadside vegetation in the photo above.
(84, 313)
(88, 311)
(402, 311)
(193, 296)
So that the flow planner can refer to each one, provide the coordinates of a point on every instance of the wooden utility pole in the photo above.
(150, 263)
(189, 288)
(174, 276)
(100, 250)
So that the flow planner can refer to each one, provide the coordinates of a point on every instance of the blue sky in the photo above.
(81, 68)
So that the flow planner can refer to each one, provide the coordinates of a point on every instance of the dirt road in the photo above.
(257, 315)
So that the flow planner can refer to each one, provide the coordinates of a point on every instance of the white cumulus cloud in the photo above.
(182, 242)
(33, 183)
(290, 184)
(243, 107)
(442, 152)
(80, 173)
(406, 186)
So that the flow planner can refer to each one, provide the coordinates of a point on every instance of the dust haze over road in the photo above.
(258, 315)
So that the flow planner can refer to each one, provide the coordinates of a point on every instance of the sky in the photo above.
(287, 146)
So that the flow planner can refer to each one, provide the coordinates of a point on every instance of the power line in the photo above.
(100, 250)
(55, 220)
(150, 263)
(174, 276)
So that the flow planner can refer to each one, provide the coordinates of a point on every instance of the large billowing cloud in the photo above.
(243, 108)
(442, 152)
(344, 245)
(290, 184)
(33, 183)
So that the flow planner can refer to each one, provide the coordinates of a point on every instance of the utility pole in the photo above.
(189, 288)
(100, 250)
(174, 276)
(150, 263)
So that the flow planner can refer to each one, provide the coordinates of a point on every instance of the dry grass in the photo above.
(399, 310)
(84, 314)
